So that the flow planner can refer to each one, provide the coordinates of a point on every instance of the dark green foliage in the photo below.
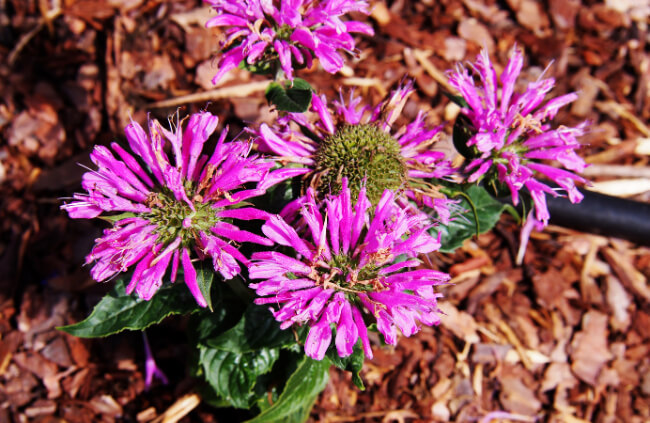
(352, 363)
(292, 97)
(299, 394)
(480, 212)
(118, 311)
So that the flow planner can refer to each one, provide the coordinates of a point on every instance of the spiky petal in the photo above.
(284, 32)
(512, 134)
(173, 210)
(344, 266)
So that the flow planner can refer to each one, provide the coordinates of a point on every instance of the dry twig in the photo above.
(241, 90)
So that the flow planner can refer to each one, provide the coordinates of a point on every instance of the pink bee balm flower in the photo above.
(164, 214)
(352, 140)
(344, 267)
(268, 33)
(512, 133)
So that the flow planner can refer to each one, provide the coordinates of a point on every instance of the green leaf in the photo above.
(352, 363)
(232, 375)
(204, 278)
(295, 97)
(234, 361)
(209, 396)
(257, 329)
(118, 311)
(300, 414)
(228, 310)
(299, 394)
(458, 99)
(483, 207)
(116, 217)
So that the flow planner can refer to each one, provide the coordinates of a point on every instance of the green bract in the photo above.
(360, 153)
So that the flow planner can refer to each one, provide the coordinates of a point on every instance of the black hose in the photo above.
(604, 215)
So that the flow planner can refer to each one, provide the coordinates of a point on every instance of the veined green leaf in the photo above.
(232, 375)
(292, 97)
(299, 394)
(256, 329)
(118, 311)
(480, 213)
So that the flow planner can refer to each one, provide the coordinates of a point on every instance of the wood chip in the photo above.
(439, 76)
(460, 323)
(380, 13)
(621, 187)
(106, 405)
(474, 31)
(619, 301)
(242, 90)
(627, 273)
(146, 415)
(589, 347)
(517, 397)
(618, 110)
(181, 408)
(41, 407)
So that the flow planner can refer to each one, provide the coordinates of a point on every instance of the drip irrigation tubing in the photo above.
(603, 215)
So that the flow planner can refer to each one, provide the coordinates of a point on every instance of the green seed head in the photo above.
(284, 32)
(176, 219)
(342, 273)
(360, 152)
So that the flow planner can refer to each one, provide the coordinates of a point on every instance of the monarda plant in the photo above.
(298, 239)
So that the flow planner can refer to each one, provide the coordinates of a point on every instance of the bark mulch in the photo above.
(563, 338)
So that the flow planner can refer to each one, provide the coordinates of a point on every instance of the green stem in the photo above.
(471, 204)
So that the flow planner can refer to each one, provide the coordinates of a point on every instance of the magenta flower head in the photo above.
(351, 140)
(511, 134)
(343, 271)
(169, 214)
(272, 34)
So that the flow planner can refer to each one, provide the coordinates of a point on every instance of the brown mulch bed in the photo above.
(565, 337)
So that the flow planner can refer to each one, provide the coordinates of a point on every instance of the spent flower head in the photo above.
(284, 34)
(511, 132)
(343, 271)
(166, 212)
(354, 141)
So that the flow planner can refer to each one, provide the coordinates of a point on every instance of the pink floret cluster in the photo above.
(512, 134)
(288, 32)
(169, 213)
(295, 140)
(343, 265)
(334, 260)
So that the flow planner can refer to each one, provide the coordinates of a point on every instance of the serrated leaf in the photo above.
(257, 329)
(299, 394)
(117, 311)
(204, 278)
(294, 97)
(464, 225)
(352, 363)
(232, 375)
